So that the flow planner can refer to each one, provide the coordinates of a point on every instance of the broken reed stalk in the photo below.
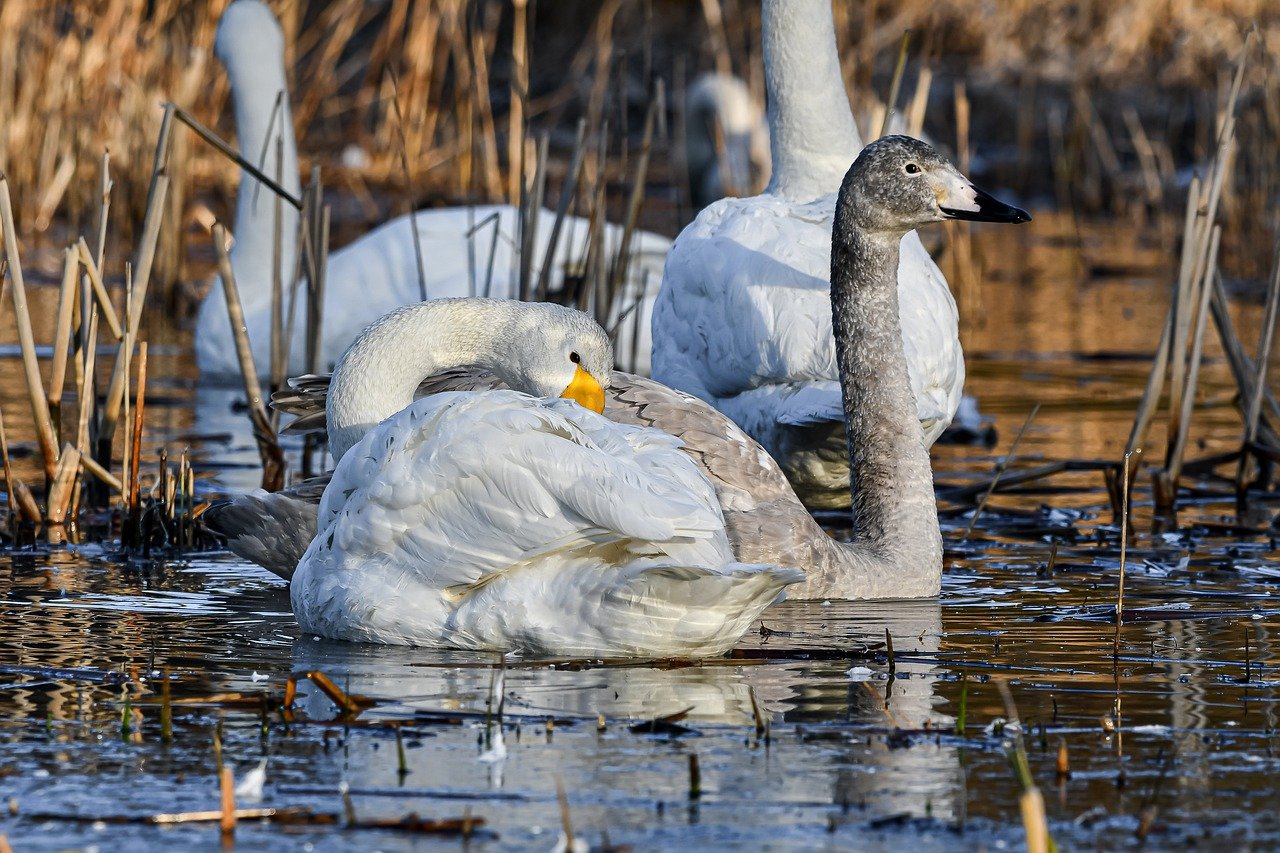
(1180, 425)
(135, 449)
(166, 708)
(227, 151)
(1254, 409)
(62, 336)
(268, 447)
(20, 496)
(318, 244)
(1000, 469)
(143, 259)
(59, 496)
(26, 339)
(279, 346)
(919, 101)
(1031, 803)
(227, 783)
(892, 101)
(1124, 545)
(622, 261)
(568, 193)
(100, 290)
(519, 92)
(403, 145)
(530, 208)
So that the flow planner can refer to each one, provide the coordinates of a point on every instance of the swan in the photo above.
(724, 128)
(502, 521)
(466, 251)
(897, 548)
(742, 319)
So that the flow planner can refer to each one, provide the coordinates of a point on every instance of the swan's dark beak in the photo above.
(986, 208)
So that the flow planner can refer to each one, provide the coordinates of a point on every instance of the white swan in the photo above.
(379, 271)
(501, 521)
(897, 550)
(725, 129)
(743, 319)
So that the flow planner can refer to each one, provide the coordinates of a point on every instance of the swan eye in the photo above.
(912, 169)
(575, 358)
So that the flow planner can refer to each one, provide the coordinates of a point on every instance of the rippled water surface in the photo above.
(1173, 744)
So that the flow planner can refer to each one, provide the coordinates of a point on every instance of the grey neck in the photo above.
(811, 127)
(895, 513)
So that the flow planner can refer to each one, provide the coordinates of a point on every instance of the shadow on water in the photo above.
(1173, 743)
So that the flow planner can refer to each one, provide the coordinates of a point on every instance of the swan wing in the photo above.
(466, 482)
(501, 520)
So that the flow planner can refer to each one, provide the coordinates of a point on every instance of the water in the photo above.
(1178, 729)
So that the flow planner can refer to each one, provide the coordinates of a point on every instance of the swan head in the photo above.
(558, 352)
(248, 29)
(899, 183)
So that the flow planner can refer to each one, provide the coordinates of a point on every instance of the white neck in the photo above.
(255, 67)
(380, 372)
(811, 126)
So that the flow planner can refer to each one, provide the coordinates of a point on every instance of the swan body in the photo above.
(727, 141)
(500, 521)
(503, 520)
(743, 318)
(468, 251)
(897, 548)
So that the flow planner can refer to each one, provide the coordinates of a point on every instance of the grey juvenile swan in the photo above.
(896, 184)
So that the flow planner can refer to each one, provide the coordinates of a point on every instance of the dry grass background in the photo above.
(1096, 103)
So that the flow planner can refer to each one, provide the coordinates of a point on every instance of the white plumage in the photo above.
(379, 271)
(744, 316)
(500, 521)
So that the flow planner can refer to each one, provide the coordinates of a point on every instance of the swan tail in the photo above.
(272, 530)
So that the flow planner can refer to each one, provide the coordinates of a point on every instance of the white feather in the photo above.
(502, 521)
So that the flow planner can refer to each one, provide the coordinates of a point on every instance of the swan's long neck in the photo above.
(257, 81)
(811, 128)
(379, 373)
(895, 513)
